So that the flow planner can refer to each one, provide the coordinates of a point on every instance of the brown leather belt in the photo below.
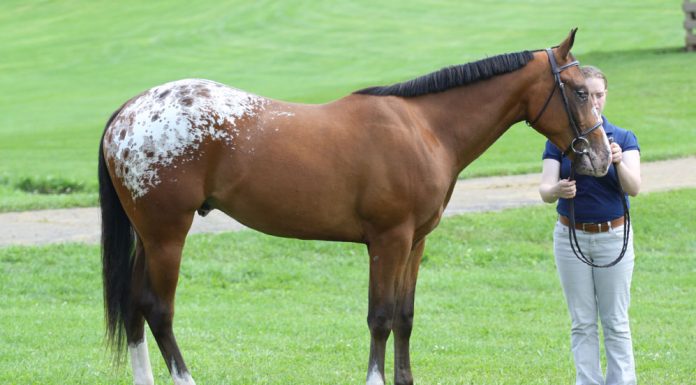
(593, 227)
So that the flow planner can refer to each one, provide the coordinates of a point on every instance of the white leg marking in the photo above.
(140, 361)
(181, 378)
(373, 376)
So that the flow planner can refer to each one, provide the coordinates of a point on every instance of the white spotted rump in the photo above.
(168, 123)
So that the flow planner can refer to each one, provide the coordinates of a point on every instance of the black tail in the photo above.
(117, 249)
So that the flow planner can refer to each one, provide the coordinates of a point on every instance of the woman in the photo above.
(599, 216)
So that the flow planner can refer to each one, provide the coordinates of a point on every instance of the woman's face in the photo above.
(598, 93)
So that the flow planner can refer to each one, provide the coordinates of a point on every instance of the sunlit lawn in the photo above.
(254, 309)
(66, 66)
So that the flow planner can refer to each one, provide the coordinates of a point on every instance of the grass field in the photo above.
(254, 309)
(67, 65)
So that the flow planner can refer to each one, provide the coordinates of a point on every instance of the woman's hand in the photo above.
(551, 187)
(565, 189)
(616, 153)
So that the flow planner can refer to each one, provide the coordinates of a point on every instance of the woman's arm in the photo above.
(627, 164)
(551, 188)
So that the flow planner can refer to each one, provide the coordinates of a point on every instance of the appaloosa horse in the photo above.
(375, 167)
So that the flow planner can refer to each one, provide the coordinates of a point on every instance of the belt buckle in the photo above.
(593, 227)
(601, 228)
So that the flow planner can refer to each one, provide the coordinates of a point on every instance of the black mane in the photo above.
(454, 76)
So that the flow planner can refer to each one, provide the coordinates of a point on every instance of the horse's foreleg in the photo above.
(388, 253)
(403, 320)
(135, 324)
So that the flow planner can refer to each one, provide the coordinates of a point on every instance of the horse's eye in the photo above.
(582, 95)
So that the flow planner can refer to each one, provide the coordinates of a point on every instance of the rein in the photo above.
(573, 237)
(580, 137)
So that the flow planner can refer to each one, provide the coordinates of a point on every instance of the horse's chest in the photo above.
(167, 126)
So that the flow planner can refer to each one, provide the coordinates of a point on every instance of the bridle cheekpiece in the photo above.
(580, 136)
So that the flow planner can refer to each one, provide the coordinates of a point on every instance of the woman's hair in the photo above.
(593, 72)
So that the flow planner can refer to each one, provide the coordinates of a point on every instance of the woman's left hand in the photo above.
(616, 153)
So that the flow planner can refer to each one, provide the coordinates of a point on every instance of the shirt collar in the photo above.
(608, 127)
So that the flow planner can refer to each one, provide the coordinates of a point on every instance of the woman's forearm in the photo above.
(629, 172)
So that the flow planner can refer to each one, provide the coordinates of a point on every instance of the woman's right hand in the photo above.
(565, 189)
(551, 188)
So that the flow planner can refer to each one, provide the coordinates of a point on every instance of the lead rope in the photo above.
(573, 237)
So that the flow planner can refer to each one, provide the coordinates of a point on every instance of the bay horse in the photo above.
(375, 167)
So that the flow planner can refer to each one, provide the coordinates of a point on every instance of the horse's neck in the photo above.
(471, 118)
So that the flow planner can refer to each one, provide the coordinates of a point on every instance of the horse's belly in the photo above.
(289, 212)
(300, 226)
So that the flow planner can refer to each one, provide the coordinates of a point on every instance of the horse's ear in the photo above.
(564, 48)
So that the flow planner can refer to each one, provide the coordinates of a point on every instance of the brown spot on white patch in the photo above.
(203, 92)
(183, 91)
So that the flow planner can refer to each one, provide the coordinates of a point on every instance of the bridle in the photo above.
(580, 137)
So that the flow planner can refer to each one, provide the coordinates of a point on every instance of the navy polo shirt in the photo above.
(596, 199)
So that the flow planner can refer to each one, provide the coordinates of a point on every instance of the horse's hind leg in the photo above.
(135, 324)
(163, 243)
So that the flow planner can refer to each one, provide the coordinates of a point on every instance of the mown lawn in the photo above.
(254, 309)
(67, 65)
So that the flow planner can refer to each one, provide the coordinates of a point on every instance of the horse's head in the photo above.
(559, 107)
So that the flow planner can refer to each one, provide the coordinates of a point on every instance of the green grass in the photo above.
(67, 65)
(28, 192)
(254, 309)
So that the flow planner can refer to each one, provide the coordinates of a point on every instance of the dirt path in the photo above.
(481, 194)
